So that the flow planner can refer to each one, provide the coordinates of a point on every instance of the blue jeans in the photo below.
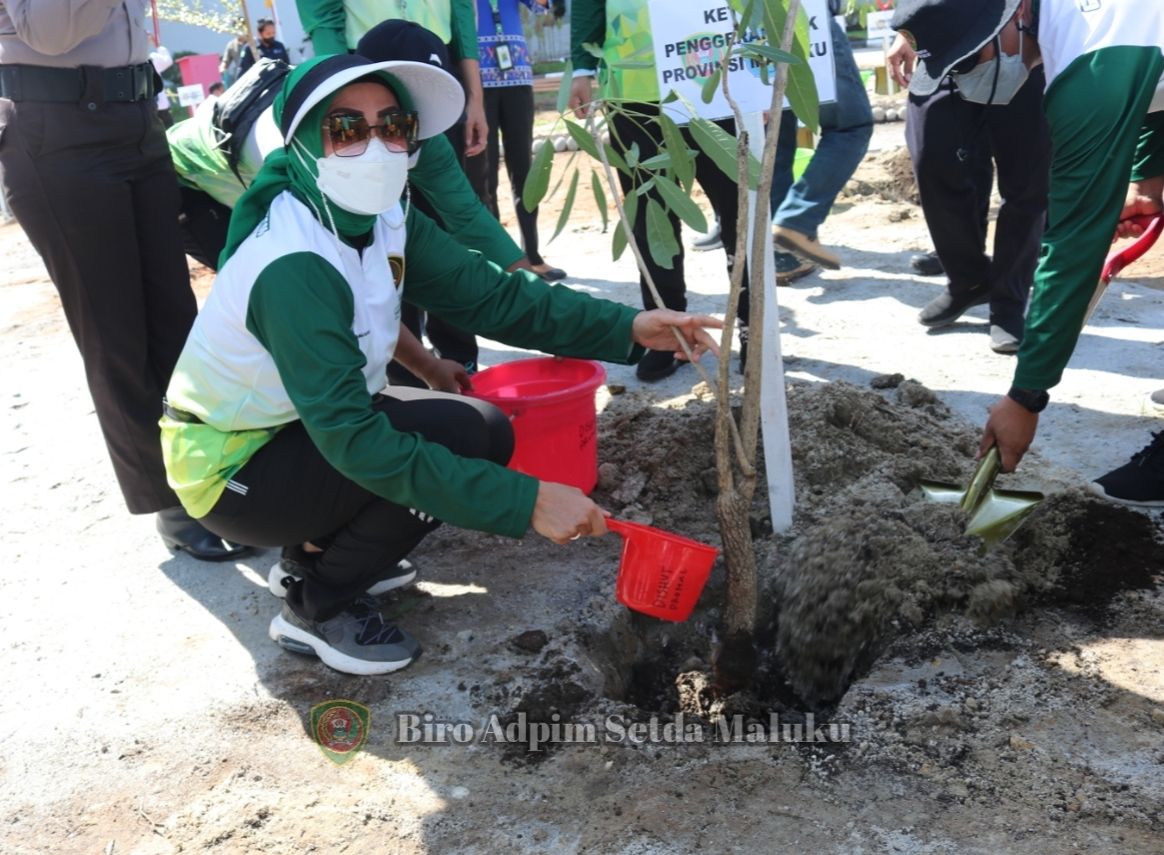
(846, 127)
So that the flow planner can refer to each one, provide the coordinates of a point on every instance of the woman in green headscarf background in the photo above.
(278, 429)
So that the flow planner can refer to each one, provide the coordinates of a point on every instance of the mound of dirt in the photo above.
(888, 175)
(868, 559)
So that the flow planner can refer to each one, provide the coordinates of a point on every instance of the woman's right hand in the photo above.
(563, 513)
(447, 375)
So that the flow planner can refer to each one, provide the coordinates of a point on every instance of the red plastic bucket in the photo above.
(550, 401)
(660, 574)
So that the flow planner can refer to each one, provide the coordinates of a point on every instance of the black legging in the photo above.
(288, 493)
(510, 112)
(720, 188)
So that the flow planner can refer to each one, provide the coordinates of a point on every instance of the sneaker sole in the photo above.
(789, 278)
(1098, 490)
(1151, 408)
(805, 250)
(277, 581)
(296, 640)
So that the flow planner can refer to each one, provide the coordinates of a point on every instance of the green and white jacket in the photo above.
(301, 326)
(1104, 61)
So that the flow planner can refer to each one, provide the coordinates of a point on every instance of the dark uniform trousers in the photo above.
(96, 194)
(720, 188)
(949, 140)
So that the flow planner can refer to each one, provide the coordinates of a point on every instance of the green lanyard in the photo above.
(497, 17)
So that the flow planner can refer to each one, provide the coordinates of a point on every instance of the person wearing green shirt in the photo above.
(278, 427)
(437, 184)
(1104, 103)
(336, 26)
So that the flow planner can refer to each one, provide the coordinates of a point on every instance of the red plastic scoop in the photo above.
(660, 574)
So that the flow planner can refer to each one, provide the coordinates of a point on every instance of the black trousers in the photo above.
(947, 138)
(510, 112)
(292, 494)
(204, 224)
(97, 196)
(720, 189)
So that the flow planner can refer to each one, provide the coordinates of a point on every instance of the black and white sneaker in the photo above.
(290, 569)
(1138, 482)
(356, 641)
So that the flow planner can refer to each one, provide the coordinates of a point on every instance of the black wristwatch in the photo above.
(1032, 400)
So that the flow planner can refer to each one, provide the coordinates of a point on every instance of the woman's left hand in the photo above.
(446, 375)
(653, 330)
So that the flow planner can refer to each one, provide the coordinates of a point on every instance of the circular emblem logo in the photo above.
(339, 730)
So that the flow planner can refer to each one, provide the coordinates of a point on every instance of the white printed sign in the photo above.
(877, 25)
(689, 40)
(192, 95)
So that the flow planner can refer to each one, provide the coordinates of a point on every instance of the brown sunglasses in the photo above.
(350, 132)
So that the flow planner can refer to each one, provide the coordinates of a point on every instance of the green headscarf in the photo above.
(293, 168)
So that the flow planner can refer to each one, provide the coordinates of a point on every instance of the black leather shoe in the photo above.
(655, 365)
(947, 308)
(181, 533)
(926, 264)
(550, 274)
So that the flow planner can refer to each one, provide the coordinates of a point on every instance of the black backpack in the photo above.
(239, 107)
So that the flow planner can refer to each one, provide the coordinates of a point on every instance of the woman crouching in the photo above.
(279, 430)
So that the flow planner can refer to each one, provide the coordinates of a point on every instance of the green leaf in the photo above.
(632, 63)
(681, 204)
(766, 53)
(676, 146)
(802, 96)
(750, 16)
(618, 242)
(660, 236)
(645, 188)
(593, 49)
(616, 159)
(599, 198)
(583, 138)
(630, 207)
(659, 161)
(632, 155)
(538, 180)
(720, 146)
(710, 85)
(567, 206)
(801, 88)
(564, 87)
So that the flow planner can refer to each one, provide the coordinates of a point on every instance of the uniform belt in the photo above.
(180, 415)
(88, 85)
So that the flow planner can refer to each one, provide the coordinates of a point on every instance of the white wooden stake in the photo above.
(773, 401)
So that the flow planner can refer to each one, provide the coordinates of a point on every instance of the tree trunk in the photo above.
(735, 660)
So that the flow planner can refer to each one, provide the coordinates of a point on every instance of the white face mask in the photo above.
(369, 183)
(994, 82)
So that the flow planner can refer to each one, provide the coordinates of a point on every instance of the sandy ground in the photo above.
(148, 712)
